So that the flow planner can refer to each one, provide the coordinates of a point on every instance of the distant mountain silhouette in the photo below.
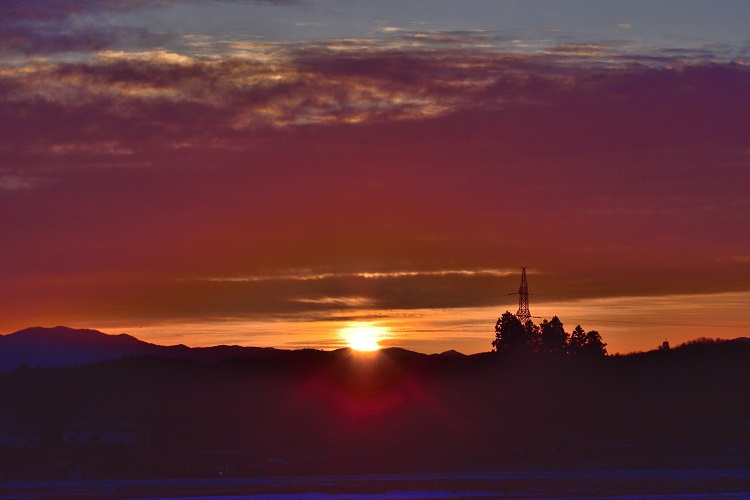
(453, 354)
(62, 346)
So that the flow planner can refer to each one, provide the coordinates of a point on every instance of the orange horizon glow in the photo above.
(627, 324)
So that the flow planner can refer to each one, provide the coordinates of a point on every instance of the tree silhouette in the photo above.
(533, 338)
(594, 346)
(554, 338)
(577, 340)
(586, 344)
(510, 335)
(549, 337)
(664, 346)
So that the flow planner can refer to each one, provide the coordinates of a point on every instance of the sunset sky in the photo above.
(278, 173)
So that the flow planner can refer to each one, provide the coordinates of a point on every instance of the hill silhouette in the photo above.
(62, 346)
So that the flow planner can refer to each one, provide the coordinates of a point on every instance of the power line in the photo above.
(653, 323)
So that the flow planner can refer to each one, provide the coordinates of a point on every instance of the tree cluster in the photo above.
(548, 337)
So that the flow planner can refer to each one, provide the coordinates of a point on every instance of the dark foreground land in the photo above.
(516, 484)
(667, 422)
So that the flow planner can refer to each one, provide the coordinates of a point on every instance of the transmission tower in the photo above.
(523, 313)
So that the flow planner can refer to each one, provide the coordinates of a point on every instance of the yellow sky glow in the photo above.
(627, 324)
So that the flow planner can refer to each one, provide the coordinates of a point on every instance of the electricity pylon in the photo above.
(523, 313)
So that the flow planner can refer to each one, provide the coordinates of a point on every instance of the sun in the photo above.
(363, 336)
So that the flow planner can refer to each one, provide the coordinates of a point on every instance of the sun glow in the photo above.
(363, 336)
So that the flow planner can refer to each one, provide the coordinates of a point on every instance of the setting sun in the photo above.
(363, 336)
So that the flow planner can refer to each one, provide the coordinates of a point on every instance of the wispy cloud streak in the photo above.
(312, 276)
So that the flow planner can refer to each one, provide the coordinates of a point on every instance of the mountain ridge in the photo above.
(61, 346)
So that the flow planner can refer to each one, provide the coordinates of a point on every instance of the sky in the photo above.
(282, 173)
